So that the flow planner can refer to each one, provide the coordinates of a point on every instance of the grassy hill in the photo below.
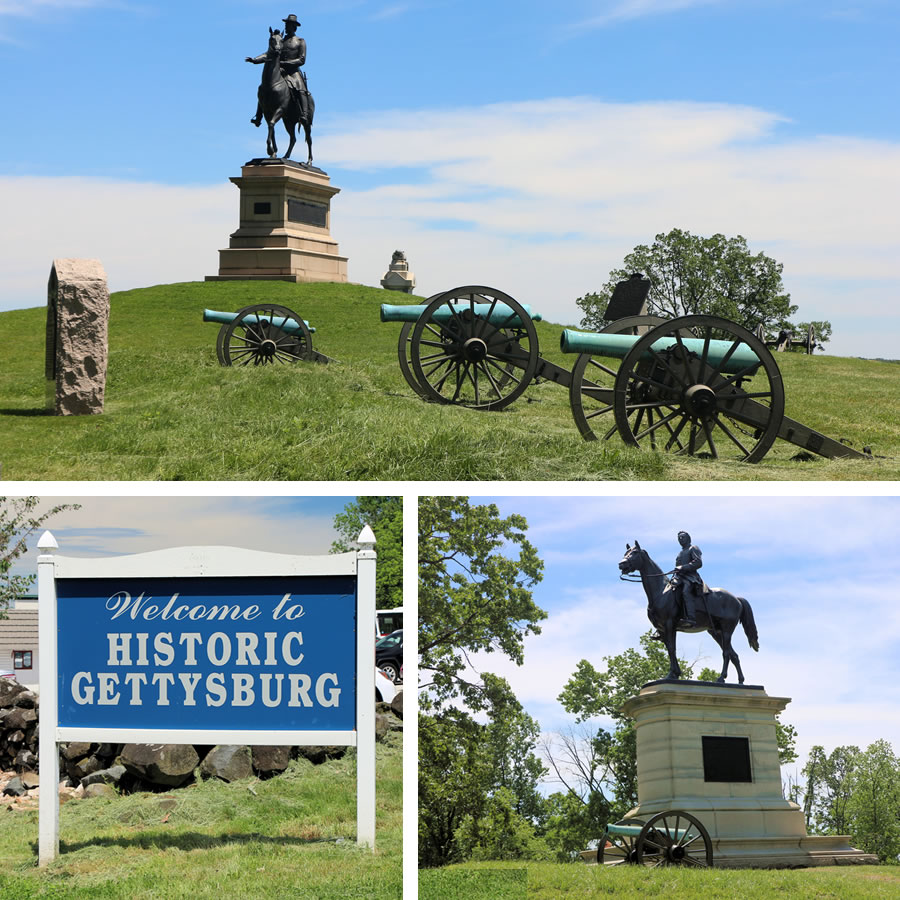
(293, 836)
(173, 413)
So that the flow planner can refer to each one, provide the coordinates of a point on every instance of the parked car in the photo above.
(389, 655)
(384, 687)
(7, 673)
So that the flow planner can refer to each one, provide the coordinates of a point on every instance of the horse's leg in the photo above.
(732, 653)
(669, 634)
(271, 146)
(290, 125)
(717, 637)
(307, 128)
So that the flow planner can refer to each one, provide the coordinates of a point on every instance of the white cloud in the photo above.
(540, 199)
(623, 10)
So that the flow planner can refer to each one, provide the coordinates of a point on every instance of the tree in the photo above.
(17, 524)
(384, 515)
(690, 274)
(829, 781)
(472, 596)
(821, 327)
(874, 803)
(612, 753)
(478, 781)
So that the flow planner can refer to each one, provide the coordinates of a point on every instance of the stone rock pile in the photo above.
(143, 767)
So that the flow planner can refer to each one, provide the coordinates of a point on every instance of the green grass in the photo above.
(291, 836)
(173, 413)
(549, 881)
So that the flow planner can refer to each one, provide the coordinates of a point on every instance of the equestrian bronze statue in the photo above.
(283, 93)
(709, 609)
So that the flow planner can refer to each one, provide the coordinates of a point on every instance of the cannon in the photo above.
(717, 393)
(786, 340)
(695, 385)
(671, 838)
(263, 334)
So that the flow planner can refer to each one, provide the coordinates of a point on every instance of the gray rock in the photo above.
(19, 718)
(9, 689)
(382, 727)
(316, 754)
(268, 760)
(230, 762)
(27, 699)
(99, 790)
(15, 788)
(163, 764)
(397, 705)
(76, 750)
(82, 767)
(25, 758)
(112, 775)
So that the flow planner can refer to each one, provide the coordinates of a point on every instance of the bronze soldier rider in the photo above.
(293, 55)
(688, 584)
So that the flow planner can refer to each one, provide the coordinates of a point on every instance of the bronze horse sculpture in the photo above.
(276, 103)
(719, 614)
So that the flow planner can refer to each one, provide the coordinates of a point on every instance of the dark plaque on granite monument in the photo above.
(307, 213)
(726, 759)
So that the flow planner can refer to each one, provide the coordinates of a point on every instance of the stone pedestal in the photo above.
(711, 750)
(398, 277)
(284, 232)
(77, 343)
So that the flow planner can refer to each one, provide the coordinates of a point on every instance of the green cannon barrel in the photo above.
(224, 318)
(618, 345)
(502, 315)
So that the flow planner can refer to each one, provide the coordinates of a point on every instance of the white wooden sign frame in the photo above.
(198, 562)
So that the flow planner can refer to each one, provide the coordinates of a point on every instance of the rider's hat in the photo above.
(291, 19)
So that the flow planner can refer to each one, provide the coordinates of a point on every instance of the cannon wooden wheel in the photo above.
(403, 354)
(264, 334)
(674, 838)
(474, 346)
(623, 846)
(686, 401)
(591, 388)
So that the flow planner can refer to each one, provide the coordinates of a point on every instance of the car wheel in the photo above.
(391, 669)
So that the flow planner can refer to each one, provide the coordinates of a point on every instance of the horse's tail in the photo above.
(749, 624)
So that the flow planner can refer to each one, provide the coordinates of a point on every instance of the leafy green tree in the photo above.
(829, 785)
(476, 572)
(455, 777)
(500, 832)
(821, 327)
(463, 766)
(384, 515)
(690, 274)
(590, 693)
(874, 804)
(18, 523)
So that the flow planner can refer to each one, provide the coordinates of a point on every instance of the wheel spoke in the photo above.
(724, 361)
(658, 424)
(734, 440)
(598, 412)
(675, 433)
(709, 440)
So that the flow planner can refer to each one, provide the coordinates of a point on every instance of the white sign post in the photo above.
(207, 645)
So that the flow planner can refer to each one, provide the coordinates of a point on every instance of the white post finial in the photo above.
(47, 542)
(366, 539)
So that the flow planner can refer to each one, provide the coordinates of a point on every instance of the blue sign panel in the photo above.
(250, 653)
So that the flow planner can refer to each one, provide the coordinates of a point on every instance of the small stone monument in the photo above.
(398, 277)
(77, 344)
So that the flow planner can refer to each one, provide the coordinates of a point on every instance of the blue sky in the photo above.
(109, 526)
(819, 572)
(521, 145)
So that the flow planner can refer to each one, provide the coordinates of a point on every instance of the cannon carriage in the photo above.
(263, 334)
(695, 385)
(671, 838)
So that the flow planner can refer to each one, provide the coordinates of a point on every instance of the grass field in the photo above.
(549, 881)
(173, 413)
(293, 836)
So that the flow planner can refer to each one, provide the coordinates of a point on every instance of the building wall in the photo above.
(20, 632)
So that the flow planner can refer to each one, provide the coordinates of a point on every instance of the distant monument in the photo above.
(77, 342)
(285, 206)
(398, 277)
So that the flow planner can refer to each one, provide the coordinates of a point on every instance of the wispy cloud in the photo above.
(623, 10)
(390, 12)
